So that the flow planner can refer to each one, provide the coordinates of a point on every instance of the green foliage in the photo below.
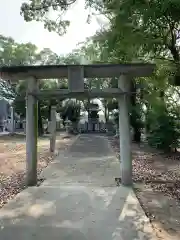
(112, 104)
(141, 31)
(135, 117)
(163, 128)
(13, 53)
(38, 10)
(6, 90)
(146, 28)
(136, 31)
(71, 111)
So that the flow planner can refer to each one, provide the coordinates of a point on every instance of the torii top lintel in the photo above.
(90, 71)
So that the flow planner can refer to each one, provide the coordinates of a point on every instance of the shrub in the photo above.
(163, 128)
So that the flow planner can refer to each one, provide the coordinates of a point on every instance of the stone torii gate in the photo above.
(76, 75)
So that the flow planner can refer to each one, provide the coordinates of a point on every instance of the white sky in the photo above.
(13, 25)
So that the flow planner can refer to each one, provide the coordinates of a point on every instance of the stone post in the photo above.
(117, 131)
(124, 132)
(24, 124)
(12, 120)
(53, 129)
(31, 133)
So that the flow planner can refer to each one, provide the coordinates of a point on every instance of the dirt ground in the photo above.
(12, 161)
(157, 185)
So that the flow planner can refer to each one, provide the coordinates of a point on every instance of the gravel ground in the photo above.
(12, 161)
(157, 185)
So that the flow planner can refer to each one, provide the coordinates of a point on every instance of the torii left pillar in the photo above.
(124, 132)
(31, 132)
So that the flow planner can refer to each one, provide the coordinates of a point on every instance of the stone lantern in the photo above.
(93, 117)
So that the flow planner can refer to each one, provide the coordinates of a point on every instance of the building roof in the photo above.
(61, 71)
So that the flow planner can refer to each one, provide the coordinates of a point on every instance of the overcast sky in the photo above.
(12, 24)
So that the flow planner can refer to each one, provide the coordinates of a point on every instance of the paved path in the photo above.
(78, 200)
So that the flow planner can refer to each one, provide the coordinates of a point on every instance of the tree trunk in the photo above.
(40, 123)
(106, 114)
(88, 103)
(175, 54)
(134, 116)
(49, 113)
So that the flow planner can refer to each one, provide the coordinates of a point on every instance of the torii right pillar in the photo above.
(124, 132)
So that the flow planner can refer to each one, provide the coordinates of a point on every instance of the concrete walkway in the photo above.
(78, 200)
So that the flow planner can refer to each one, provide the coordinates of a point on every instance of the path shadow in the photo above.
(74, 212)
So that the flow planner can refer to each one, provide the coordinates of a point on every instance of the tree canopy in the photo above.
(135, 31)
